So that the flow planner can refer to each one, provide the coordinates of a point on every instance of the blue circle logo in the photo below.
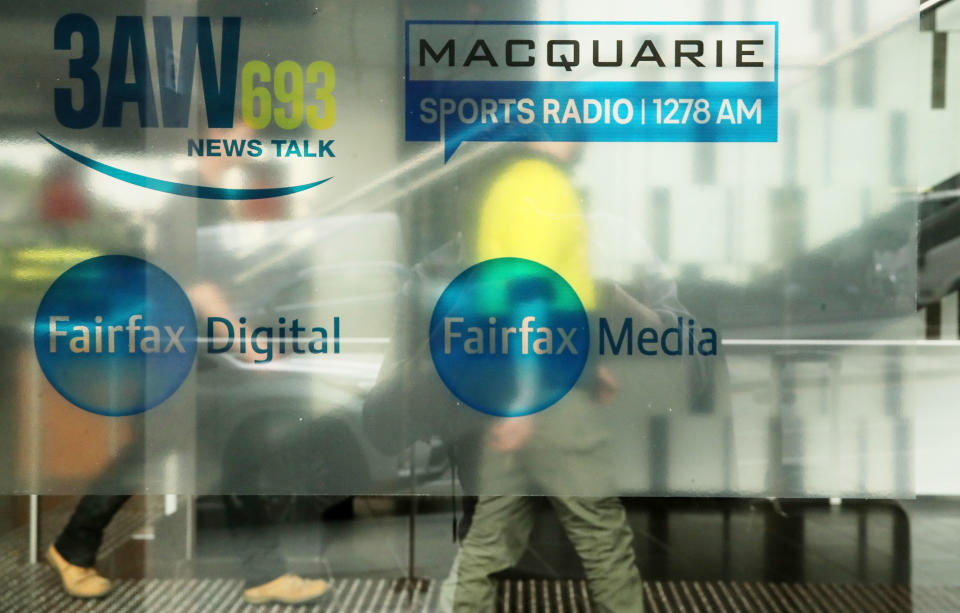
(509, 337)
(115, 335)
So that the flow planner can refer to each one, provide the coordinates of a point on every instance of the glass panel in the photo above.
(724, 306)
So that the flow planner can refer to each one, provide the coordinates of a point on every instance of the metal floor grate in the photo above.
(127, 521)
(34, 588)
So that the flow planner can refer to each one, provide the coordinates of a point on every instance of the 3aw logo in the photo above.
(115, 335)
(509, 337)
(158, 81)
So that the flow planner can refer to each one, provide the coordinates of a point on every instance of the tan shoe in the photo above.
(287, 589)
(78, 581)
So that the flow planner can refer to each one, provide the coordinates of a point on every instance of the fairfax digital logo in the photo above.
(510, 337)
(99, 86)
(116, 335)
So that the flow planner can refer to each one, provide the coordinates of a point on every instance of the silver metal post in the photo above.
(34, 528)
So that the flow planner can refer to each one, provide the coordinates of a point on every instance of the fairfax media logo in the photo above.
(510, 337)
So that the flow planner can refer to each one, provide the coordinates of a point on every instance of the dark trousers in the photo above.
(254, 531)
(248, 520)
(81, 539)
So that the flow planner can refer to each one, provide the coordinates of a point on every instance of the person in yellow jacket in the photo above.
(530, 209)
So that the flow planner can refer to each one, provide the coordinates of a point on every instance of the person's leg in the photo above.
(497, 538)
(81, 538)
(469, 506)
(264, 567)
(255, 531)
(598, 529)
(74, 553)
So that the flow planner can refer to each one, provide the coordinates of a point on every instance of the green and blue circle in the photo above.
(537, 365)
(117, 378)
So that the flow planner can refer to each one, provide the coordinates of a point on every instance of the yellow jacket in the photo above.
(532, 211)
